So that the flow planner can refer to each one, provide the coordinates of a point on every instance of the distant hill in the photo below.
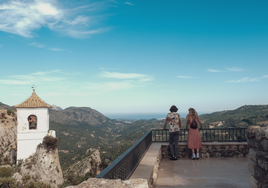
(5, 106)
(81, 128)
(77, 115)
(243, 116)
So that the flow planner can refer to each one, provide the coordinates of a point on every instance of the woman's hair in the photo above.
(173, 108)
(193, 114)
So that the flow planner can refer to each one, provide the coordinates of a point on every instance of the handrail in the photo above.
(123, 167)
(207, 135)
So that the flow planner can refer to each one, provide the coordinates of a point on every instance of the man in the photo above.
(174, 127)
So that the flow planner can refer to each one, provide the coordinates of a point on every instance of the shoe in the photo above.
(175, 158)
(171, 157)
(197, 156)
(193, 157)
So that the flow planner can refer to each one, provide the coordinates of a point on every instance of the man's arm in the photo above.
(180, 122)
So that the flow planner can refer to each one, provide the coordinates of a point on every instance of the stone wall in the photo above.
(153, 178)
(212, 149)
(258, 156)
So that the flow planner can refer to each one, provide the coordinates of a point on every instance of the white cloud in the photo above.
(128, 3)
(213, 70)
(107, 86)
(117, 75)
(38, 45)
(84, 34)
(56, 49)
(14, 82)
(59, 83)
(79, 20)
(185, 77)
(245, 79)
(45, 73)
(265, 76)
(36, 77)
(23, 17)
(235, 69)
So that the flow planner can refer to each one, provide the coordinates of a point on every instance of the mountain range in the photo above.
(81, 128)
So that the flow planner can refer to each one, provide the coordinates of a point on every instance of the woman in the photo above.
(194, 139)
(174, 127)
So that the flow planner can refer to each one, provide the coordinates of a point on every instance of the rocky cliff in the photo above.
(8, 136)
(88, 167)
(104, 183)
(43, 166)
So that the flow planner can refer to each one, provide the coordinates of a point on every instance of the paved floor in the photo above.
(208, 172)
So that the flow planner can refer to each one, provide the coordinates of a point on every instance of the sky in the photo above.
(135, 56)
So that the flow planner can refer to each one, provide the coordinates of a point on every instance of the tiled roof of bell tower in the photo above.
(34, 101)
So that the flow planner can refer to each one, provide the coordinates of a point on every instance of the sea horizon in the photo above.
(137, 116)
(141, 116)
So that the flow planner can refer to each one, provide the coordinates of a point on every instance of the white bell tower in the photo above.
(33, 125)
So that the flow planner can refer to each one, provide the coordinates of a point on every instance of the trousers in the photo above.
(173, 143)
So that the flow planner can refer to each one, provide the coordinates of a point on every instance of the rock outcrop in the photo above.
(104, 183)
(43, 166)
(8, 136)
(88, 165)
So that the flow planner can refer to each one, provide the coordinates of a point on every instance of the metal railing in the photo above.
(123, 167)
(207, 135)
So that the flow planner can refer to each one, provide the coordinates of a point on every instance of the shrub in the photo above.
(8, 182)
(9, 112)
(5, 172)
(50, 142)
(26, 179)
(103, 164)
(33, 184)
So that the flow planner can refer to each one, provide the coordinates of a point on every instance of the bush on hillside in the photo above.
(9, 112)
(5, 172)
(33, 184)
(50, 142)
(8, 182)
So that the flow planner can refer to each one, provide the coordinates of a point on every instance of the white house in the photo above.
(33, 125)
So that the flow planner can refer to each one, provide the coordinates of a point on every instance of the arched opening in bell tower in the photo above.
(32, 119)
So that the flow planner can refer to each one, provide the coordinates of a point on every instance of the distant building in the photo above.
(33, 125)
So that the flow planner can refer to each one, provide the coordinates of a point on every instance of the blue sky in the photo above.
(135, 56)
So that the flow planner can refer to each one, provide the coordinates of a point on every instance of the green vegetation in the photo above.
(27, 182)
(9, 112)
(8, 182)
(242, 117)
(50, 142)
(5, 172)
